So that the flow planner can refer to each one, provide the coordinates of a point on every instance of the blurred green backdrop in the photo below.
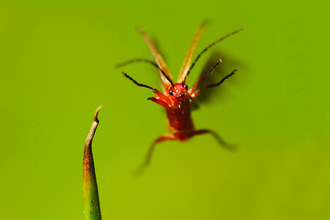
(57, 60)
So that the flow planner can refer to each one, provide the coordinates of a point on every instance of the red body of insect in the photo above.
(179, 120)
(176, 98)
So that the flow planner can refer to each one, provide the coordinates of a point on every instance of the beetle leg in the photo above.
(218, 138)
(194, 94)
(193, 88)
(160, 102)
(147, 160)
(162, 97)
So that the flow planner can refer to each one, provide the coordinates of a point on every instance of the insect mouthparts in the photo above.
(179, 103)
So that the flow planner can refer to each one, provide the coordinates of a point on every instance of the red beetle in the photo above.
(176, 98)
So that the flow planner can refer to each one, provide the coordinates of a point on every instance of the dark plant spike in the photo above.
(199, 55)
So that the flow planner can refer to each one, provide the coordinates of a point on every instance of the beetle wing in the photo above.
(186, 63)
(164, 82)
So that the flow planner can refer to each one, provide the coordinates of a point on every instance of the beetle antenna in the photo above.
(136, 60)
(199, 55)
(166, 76)
(136, 83)
(147, 61)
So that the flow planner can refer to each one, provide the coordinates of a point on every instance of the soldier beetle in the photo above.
(176, 97)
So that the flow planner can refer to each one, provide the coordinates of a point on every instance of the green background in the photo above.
(57, 67)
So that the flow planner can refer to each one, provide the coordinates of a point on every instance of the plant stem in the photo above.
(92, 203)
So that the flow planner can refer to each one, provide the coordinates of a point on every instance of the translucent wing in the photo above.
(164, 82)
(186, 63)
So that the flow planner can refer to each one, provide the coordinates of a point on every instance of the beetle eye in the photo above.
(186, 87)
(171, 92)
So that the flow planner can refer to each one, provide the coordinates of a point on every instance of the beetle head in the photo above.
(178, 94)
